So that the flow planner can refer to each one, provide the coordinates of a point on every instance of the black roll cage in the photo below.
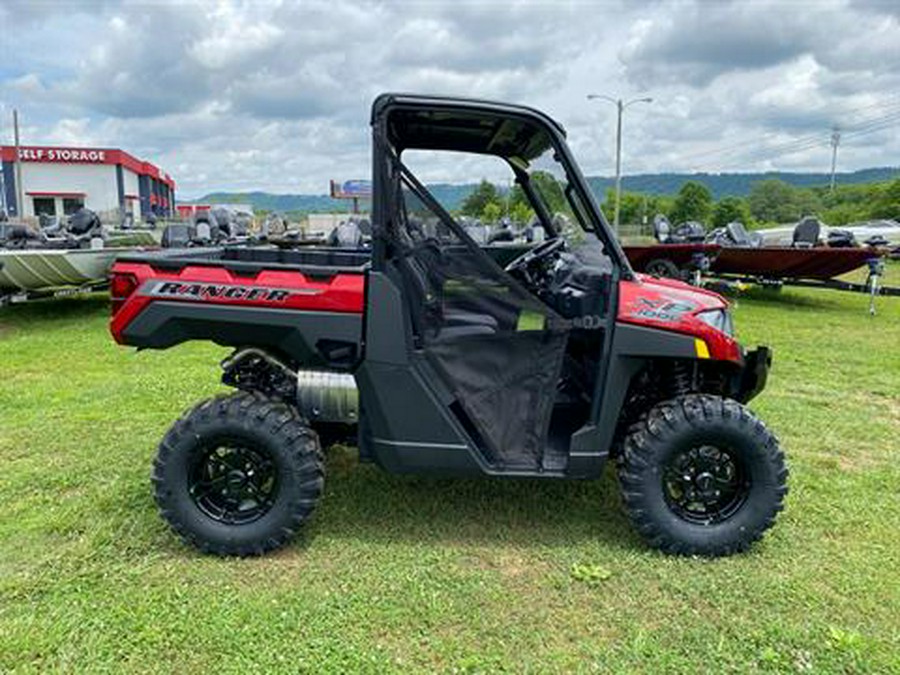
(385, 158)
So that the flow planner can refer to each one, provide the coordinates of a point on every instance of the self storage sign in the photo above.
(69, 155)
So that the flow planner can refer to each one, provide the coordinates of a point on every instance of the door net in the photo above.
(498, 347)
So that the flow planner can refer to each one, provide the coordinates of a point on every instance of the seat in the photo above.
(177, 235)
(806, 234)
(738, 234)
(662, 230)
(425, 292)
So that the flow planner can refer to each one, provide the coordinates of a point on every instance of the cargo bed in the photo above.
(306, 301)
(252, 259)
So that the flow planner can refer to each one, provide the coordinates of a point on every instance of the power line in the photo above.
(802, 141)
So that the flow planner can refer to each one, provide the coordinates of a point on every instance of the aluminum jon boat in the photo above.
(46, 270)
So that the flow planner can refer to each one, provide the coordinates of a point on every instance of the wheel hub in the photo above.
(705, 484)
(236, 480)
(232, 483)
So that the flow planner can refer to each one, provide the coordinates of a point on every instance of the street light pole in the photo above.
(620, 108)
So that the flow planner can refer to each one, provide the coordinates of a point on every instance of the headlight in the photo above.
(720, 319)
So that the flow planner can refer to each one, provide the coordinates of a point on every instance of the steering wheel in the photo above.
(539, 252)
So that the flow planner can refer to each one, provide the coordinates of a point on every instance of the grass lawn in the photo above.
(412, 574)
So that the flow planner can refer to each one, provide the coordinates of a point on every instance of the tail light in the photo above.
(122, 285)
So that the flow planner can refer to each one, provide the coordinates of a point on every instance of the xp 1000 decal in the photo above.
(662, 310)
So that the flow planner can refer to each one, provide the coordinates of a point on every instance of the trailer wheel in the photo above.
(238, 474)
(701, 475)
(660, 267)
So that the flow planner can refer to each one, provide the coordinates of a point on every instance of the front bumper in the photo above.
(752, 377)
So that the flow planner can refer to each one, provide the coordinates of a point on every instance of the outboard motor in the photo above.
(83, 222)
(220, 222)
(691, 231)
(346, 235)
(806, 233)
(240, 225)
(3, 217)
(50, 225)
(84, 228)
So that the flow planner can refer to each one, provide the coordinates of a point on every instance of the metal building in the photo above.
(58, 181)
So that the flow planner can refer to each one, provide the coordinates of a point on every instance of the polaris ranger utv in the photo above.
(437, 355)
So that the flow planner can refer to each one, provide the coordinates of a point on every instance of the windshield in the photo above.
(560, 201)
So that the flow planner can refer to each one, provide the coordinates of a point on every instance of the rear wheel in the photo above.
(238, 474)
(702, 475)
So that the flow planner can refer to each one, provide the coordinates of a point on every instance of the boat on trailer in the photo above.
(62, 261)
(732, 255)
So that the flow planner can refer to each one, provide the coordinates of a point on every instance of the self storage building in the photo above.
(58, 181)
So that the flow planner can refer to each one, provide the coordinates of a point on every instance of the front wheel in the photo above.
(701, 475)
(238, 475)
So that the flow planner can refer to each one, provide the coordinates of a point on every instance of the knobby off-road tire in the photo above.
(676, 457)
(238, 474)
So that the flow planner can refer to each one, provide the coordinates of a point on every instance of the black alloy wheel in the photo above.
(705, 484)
(701, 475)
(239, 474)
(232, 483)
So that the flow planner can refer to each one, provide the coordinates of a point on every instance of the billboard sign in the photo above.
(351, 189)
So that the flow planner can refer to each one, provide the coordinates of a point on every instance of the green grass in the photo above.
(412, 574)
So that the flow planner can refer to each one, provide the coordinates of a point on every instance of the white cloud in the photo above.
(275, 96)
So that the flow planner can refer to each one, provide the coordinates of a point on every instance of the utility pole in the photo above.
(835, 141)
(620, 108)
(20, 199)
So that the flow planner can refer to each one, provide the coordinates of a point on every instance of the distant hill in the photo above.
(736, 184)
(452, 196)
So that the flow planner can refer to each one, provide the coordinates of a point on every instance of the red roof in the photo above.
(47, 154)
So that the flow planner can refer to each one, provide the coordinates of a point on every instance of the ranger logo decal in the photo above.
(205, 291)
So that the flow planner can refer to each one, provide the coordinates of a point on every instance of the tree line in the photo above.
(770, 202)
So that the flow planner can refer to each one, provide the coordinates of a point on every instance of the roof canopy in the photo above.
(434, 123)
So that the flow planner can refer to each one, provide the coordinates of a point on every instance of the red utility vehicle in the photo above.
(436, 355)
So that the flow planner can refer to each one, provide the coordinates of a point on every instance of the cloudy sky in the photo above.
(275, 95)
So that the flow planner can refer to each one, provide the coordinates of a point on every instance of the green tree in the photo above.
(546, 185)
(771, 201)
(520, 212)
(635, 207)
(774, 201)
(729, 209)
(694, 202)
(491, 212)
(486, 193)
(886, 202)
